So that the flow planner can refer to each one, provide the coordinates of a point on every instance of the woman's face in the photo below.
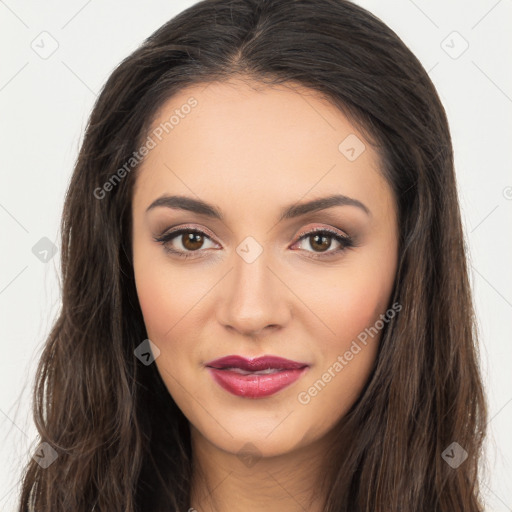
(256, 281)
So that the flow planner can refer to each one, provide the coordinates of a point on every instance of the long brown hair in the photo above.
(122, 443)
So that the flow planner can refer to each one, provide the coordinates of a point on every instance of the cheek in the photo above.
(353, 304)
(351, 310)
(165, 294)
(170, 301)
(168, 319)
(160, 307)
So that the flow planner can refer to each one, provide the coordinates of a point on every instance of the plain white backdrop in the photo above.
(55, 59)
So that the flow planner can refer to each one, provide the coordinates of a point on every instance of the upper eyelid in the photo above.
(333, 231)
(186, 228)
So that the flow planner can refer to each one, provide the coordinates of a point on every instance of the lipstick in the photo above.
(255, 378)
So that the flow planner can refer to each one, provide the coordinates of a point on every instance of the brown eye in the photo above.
(192, 240)
(184, 242)
(321, 240)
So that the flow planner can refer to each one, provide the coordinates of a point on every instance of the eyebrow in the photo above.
(288, 212)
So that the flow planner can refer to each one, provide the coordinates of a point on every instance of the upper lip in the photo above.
(259, 363)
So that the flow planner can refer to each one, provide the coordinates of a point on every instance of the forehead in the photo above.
(242, 137)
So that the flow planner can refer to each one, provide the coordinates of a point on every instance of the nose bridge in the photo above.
(253, 297)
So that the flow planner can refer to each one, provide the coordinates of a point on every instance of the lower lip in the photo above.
(255, 386)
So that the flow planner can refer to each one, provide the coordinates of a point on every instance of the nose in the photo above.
(254, 299)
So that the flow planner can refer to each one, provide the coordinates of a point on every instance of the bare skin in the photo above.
(250, 151)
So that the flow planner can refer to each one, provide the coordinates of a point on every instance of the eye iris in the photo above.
(192, 241)
(323, 244)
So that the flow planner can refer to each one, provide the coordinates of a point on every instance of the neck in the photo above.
(288, 482)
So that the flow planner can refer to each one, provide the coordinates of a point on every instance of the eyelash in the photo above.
(346, 242)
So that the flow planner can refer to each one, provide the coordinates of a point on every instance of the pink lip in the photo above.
(251, 385)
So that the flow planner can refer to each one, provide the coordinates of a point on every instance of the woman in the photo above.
(265, 292)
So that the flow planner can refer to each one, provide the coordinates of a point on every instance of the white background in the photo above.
(44, 106)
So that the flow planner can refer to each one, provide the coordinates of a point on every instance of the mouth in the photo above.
(255, 378)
